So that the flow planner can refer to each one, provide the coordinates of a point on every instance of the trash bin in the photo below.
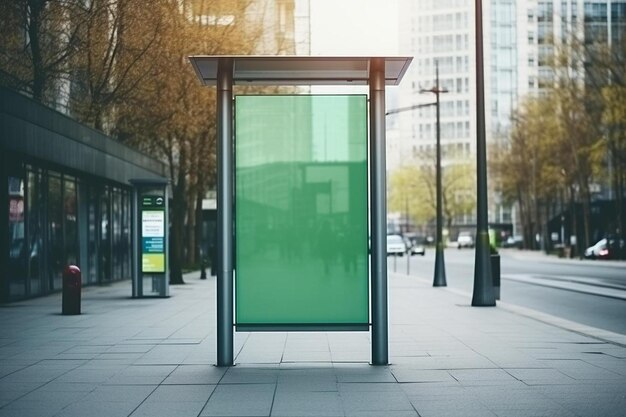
(495, 274)
(72, 284)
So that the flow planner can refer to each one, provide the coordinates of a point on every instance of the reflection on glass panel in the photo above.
(116, 218)
(55, 231)
(105, 237)
(126, 234)
(92, 236)
(301, 210)
(71, 221)
(18, 249)
(36, 231)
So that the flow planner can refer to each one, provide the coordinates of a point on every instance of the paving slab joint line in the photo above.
(273, 398)
(580, 329)
(212, 392)
(148, 396)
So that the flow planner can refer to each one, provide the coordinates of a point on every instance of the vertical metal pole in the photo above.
(225, 212)
(483, 286)
(378, 220)
(166, 245)
(440, 269)
(408, 262)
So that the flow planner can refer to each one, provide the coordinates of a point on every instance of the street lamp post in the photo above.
(439, 279)
(406, 213)
(483, 295)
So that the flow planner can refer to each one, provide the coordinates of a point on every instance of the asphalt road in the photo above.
(528, 280)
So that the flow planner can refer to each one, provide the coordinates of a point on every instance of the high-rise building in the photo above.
(521, 38)
(279, 27)
(501, 87)
(439, 34)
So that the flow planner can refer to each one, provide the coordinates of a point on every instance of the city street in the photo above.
(592, 293)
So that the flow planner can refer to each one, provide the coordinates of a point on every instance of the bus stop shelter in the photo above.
(376, 72)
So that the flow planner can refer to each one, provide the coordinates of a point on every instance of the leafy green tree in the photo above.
(614, 120)
(414, 188)
(527, 168)
(173, 118)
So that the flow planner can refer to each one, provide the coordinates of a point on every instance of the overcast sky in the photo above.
(354, 27)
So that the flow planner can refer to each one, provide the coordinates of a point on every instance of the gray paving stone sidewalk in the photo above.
(154, 357)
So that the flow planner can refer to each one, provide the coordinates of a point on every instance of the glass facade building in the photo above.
(439, 34)
(65, 200)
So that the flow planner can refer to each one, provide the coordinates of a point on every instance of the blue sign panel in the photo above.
(153, 245)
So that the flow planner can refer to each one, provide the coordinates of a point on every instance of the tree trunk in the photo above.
(178, 221)
(574, 231)
(39, 72)
(547, 245)
(525, 220)
(586, 216)
(618, 191)
(201, 251)
(190, 255)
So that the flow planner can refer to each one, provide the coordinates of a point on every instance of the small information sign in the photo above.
(153, 234)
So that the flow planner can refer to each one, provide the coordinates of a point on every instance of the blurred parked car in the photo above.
(395, 245)
(414, 244)
(417, 249)
(607, 248)
(465, 240)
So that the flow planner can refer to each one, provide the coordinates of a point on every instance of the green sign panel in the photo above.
(154, 201)
(153, 234)
(301, 212)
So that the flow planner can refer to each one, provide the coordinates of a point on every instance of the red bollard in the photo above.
(72, 284)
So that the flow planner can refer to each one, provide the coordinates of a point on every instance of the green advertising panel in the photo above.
(301, 212)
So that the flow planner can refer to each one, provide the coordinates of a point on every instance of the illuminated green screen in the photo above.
(301, 211)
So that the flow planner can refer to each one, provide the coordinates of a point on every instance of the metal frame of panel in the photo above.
(342, 261)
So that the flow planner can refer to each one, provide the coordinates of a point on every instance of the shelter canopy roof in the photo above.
(298, 70)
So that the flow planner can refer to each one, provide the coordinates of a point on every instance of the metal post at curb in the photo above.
(483, 286)
(408, 263)
(202, 269)
(380, 355)
(225, 212)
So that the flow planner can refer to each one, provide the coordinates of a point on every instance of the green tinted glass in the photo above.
(301, 210)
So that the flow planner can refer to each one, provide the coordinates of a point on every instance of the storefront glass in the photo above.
(36, 231)
(104, 248)
(92, 236)
(56, 248)
(70, 216)
(44, 225)
(18, 248)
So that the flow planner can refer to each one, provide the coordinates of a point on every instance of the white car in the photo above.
(395, 245)
(599, 250)
(465, 240)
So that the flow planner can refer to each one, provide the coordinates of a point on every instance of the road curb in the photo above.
(574, 286)
(581, 329)
(521, 255)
